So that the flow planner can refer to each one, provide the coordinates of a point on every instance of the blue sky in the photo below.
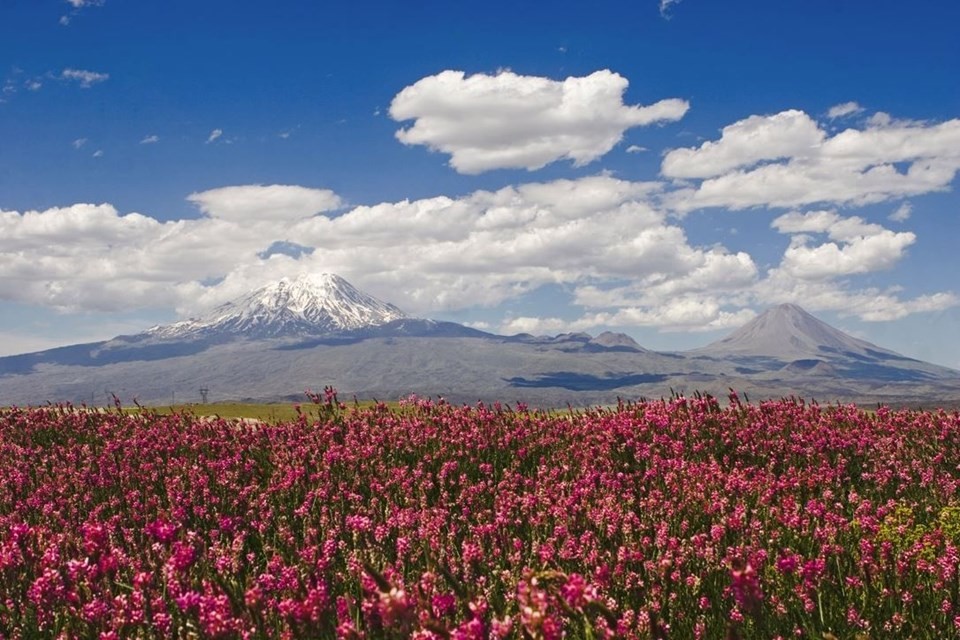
(666, 171)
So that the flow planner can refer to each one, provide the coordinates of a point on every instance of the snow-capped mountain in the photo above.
(311, 304)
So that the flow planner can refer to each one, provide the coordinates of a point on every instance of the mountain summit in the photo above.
(311, 304)
(787, 332)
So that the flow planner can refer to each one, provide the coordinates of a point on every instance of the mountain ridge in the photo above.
(272, 343)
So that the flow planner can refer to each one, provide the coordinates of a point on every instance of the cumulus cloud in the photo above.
(614, 246)
(151, 139)
(713, 271)
(270, 202)
(788, 160)
(745, 143)
(214, 135)
(625, 262)
(856, 247)
(870, 304)
(845, 109)
(85, 79)
(79, 142)
(65, 258)
(509, 121)
(817, 276)
(430, 256)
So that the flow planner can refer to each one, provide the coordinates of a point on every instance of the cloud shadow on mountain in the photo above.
(584, 381)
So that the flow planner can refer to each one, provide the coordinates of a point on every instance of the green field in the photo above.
(272, 412)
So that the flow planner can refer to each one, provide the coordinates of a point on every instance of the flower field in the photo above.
(673, 519)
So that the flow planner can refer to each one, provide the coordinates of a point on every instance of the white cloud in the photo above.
(856, 247)
(430, 256)
(869, 304)
(816, 275)
(845, 109)
(613, 244)
(535, 326)
(787, 160)
(264, 202)
(745, 143)
(665, 7)
(636, 149)
(79, 142)
(829, 222)
(709, 272)
(880, 119)
(54, 228)
(86, 79)
(625, 262)
(689, 314)
(77, 5)
(66, 258)
(903, 213)
(214, 135)
(151, 139)
(507, 120)
(828, 260)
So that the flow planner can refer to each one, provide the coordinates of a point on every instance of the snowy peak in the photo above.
(787, 332)
(311, 304)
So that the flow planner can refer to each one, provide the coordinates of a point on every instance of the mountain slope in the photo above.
(306, 333)
(787, 332)
(308, 305)
(795, 345)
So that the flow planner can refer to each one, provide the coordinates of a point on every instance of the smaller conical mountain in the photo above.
(787, 332)
(311, 304)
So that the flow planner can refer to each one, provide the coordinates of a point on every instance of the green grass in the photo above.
(265, 412)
